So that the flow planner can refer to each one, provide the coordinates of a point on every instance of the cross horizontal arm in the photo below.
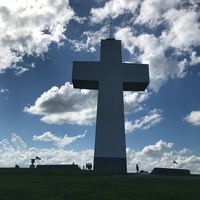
(85, 75)
(135, 77)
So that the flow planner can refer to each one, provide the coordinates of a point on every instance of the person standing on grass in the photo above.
(137, 168)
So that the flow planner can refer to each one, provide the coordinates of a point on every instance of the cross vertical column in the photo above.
(110, 147)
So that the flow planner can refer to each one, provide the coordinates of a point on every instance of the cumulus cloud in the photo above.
(184, 28)
(155, 150)
(133, 101)
(29, 27)
(194, 58)
(11, 154)
(152, 51)
(159, 33)
(112, 9)
(66, 105)
(92, 40)
(151, 119)
(160, 154)
(193, 118)
(151, 11)
(18, 142)
(69, 105)
(58, 141)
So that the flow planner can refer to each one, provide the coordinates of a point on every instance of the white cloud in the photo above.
(160, 154)
(133, 101)
(69, 105)
(4, 90)
(112, 9)
(159, 33)
(194, 58)
(18, 142)
(151, 119)
(92, 39)
(184, 28)
(12, 154)
(155, 150)
(152, 51)
(58, 141)
(66, 105)
(151, 11)
(193, 118)
(29, 27)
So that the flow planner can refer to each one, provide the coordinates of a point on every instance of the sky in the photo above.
(41, 114)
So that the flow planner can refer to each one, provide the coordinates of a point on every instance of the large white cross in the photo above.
(110, 77)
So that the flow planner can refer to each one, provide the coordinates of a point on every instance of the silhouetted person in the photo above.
(137, 168)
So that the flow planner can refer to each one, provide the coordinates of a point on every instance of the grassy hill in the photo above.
(43, 184)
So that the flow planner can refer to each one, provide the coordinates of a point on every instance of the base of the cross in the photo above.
(110, 164)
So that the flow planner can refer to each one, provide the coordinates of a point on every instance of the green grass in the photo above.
(43, 184)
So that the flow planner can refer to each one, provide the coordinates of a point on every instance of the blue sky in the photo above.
(38, 106)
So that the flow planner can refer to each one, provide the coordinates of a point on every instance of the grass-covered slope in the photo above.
(35, 184)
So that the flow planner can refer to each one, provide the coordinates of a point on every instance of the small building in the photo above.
(69, 167)
(170, 172)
